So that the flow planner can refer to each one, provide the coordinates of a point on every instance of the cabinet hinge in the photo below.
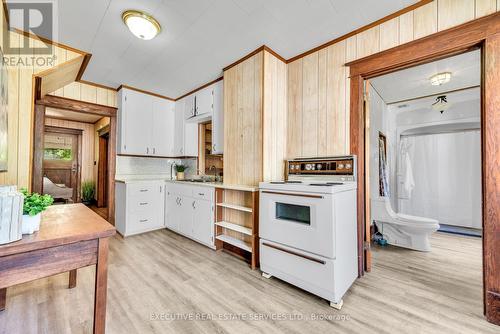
(367, 246)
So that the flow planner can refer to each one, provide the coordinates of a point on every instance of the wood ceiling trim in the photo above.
(200, 88)
(90, 83)
(145, 92)
(363, 28)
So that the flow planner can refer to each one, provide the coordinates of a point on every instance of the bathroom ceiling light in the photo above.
(440, 78)
(141, 24)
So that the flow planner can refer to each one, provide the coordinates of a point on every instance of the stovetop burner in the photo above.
(285, 182)
(321, 184)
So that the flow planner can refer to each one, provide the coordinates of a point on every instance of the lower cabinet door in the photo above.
(172, 212)
(203, 229)
(186, 216)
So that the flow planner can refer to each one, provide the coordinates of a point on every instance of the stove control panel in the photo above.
(345, 165)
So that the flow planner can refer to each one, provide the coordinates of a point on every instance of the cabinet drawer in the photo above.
(142, 221)
(142, 203)
(143, 189)
(179, 189)
(204, 193)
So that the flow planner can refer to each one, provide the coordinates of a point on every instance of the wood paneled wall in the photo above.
(318, 83)
(87, 149)
(255, 120)
(275, 117)
(20, 122)
(243, 85)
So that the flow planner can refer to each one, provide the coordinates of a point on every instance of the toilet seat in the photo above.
(401, 229)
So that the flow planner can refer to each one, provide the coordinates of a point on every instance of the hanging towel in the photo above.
(409, 181)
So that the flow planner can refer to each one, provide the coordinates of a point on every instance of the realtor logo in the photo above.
(35, 17)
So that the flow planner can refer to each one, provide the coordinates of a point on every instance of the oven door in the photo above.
(301, 220)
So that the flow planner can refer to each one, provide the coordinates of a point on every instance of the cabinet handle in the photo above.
(147, 150)
(194, 207)
(201, 194)
(143, 220)
(154, 150)
(143, 203)
(213, 148)
(161, 188)
(143, 190)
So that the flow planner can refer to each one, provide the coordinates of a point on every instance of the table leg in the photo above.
(3, 298)
(101, 284)
(72, 279)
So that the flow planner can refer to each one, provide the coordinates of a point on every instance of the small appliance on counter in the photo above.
(308, 227)
(11, 213)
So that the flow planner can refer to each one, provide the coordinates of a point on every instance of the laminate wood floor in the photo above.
(160, 274)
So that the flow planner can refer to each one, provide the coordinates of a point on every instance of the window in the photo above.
(296, 213)
(64, 154)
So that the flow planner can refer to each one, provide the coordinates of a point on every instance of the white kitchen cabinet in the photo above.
(179, 128)
(189, 106)
(190, 212)
(139, 207)
(145, 124)
(218, 118)
(203, 228)
(185, 134)
(135, 117)
(204, 101)
(163, 119)
(171, 213)
(191, 139)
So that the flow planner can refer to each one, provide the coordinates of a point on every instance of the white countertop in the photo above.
(166, 178)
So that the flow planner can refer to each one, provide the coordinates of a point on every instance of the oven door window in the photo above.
(295, 213)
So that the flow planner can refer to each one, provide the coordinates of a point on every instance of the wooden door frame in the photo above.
(78, 133)
(482, 33)
(77, 106)
(101, 199)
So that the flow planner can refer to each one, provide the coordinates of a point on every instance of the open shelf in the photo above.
(235, 227)
(235, 207)
(235, 242)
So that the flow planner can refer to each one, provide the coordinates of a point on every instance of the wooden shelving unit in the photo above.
(237, 223)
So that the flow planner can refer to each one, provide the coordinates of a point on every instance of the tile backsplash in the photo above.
(151, 166)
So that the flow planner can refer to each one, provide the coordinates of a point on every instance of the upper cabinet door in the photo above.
(136, 113)
(189, 106)
(163, 127)
(204, 101)
(218, 118)
(179, 128)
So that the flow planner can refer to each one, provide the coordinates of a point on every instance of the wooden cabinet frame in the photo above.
(483, 33)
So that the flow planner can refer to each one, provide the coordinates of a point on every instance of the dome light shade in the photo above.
(440, 78)
(142, 25)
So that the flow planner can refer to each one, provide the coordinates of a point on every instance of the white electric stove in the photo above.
(307, 226)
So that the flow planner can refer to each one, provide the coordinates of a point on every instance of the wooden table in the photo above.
(71, 236)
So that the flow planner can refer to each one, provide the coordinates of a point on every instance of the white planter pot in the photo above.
(31, 224)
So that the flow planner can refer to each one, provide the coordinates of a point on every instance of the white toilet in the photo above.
(400, 229)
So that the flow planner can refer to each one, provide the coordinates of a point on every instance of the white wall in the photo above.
(448, 188)
(151, 166)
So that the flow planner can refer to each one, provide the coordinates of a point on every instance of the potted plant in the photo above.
(88, 192)
(33, 206)
(180, 169)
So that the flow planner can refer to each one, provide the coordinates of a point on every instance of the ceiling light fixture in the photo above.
(440, 78)
(141, 24)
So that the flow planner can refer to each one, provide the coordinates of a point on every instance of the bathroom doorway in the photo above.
(423, 179)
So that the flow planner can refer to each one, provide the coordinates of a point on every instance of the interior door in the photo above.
(102, 172)
(61, 166)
